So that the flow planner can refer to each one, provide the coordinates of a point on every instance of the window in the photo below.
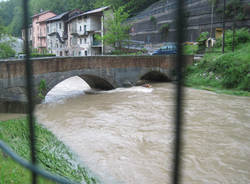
(80, 28)
(85, 40)
(79, 53)
(60, 25)
(80, 41)
(86, 53)
(85, 28)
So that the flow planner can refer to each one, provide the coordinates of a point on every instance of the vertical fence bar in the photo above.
(176, 177)
(223, 27)
(29, 87)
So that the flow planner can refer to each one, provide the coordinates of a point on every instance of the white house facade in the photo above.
(75, 33)
(84, 31)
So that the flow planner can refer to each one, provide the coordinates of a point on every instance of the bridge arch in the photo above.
(156, 76)
(93, 81)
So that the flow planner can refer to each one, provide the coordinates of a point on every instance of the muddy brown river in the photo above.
(126, 135)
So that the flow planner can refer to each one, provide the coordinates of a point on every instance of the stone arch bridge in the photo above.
(102, 72)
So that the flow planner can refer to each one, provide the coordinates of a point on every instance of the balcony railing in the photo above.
(96, 43)
(42, 36)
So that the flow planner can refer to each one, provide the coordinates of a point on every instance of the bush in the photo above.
(42, 88)
(164, 28)
(41, 55)
(6, 51)
(117, 52)
(241, 36)
(153, 20)
(202, 41)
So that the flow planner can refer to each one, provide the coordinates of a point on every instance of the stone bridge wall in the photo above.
(103, 72)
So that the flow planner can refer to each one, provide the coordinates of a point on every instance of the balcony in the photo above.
(85, 33)
(96, 43)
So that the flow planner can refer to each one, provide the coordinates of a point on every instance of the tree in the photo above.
(6, 51)
(116, 29)
(5, 46)
(114, 3)
(234, 10)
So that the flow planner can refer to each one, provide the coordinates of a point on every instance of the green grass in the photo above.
(52, 155)
(223, 73)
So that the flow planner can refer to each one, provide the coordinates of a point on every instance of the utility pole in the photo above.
(223, 29)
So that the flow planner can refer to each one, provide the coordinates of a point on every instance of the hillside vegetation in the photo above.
(230, 71)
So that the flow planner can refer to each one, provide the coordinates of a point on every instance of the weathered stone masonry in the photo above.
(103, 72)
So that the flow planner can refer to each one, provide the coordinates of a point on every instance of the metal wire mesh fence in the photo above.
(176, 171)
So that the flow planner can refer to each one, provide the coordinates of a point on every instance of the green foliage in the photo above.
(114, 3)
(126, 53)
(135, 6)
(234, 9)
(6, 51)
(52, 154)
(230, 70)
(164, 31)
(190, 49)
(202, 38)
(164, 28)
(116, 29)
(17, 22)
(202, 41)
(213, 2)
(153, 20)
(42, 55)
(42, 89)
(241, 36)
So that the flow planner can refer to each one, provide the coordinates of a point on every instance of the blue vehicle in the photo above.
(167, 49)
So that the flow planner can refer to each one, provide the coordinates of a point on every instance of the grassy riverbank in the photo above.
(223, 73)
(52, 155)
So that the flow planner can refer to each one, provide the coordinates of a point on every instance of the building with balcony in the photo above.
(57, 33)
(72, 33)
(83, 31)
(39, 31)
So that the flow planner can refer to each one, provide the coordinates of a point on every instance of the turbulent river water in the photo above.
(126, 135)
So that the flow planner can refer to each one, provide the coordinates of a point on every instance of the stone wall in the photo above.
(197, 15)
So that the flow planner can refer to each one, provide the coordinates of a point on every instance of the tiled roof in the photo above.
(98, 10)
(57, 17)
(41, 13)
